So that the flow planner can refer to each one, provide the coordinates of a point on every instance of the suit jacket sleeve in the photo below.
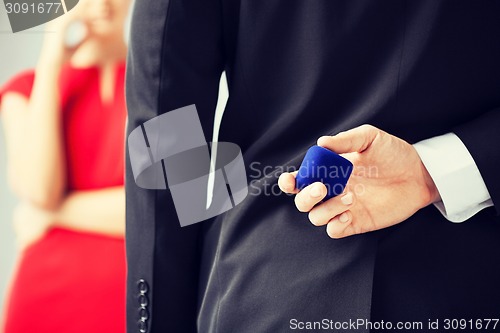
(481, 136)
(175, 59)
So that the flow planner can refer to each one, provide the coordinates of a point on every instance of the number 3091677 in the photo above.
(32, 8)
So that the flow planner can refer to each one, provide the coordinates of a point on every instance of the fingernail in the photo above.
(343, 218)
(347, 199)
(316, 191)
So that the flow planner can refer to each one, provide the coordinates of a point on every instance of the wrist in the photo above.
(52, 56)
(430, 187)
(47, 73)
(48, 63)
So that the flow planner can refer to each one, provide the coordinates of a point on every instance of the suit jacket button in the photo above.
(142, 286)
(143, 314)
(143, 301)
(143, 326)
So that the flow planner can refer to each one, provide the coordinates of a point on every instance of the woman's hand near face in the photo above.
(55, 50)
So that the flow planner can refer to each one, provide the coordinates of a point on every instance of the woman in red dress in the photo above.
(64, 124)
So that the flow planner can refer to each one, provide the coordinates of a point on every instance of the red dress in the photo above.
(71, 281)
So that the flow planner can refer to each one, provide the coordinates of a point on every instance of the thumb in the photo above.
(355, 140)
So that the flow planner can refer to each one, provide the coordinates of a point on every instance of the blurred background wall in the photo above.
(17, 51)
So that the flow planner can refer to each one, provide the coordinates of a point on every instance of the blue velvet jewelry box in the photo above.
(323, 165)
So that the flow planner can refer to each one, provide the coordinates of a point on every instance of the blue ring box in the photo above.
(323, 165)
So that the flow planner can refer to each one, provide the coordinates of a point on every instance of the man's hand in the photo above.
(389, 184)
(30, 224)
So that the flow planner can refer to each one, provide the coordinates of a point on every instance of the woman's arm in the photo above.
(33, 127)
(98, 211)
(101, 211)
(34, 140)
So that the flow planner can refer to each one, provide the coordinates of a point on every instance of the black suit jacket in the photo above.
(299, 69)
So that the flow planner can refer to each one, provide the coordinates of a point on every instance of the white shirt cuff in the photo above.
(457, 178)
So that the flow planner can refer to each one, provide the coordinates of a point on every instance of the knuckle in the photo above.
(369, 129)
(365, 127)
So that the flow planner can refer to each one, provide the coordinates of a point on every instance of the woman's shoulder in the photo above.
(21, 83)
